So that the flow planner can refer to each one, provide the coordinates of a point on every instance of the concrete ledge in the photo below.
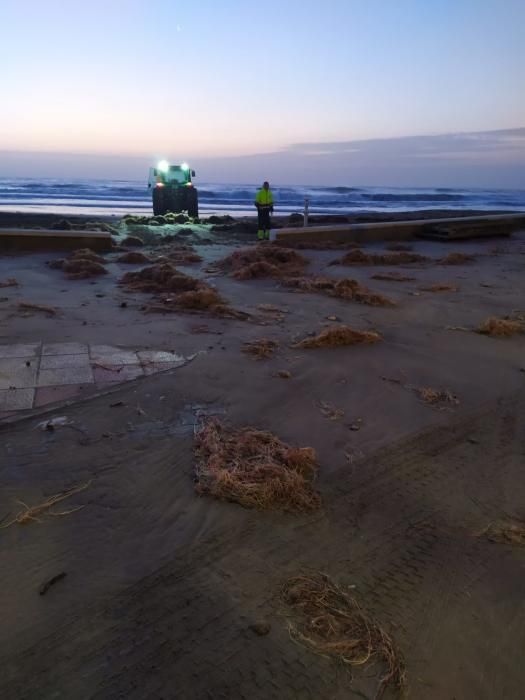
(48, 239)
(470, 226)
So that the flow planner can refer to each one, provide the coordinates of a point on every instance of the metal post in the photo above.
(306, 203)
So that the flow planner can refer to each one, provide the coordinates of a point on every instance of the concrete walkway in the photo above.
(35, 374)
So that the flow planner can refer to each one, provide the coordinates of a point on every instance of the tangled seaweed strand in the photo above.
(255, 469)
(31, 513)
(334, 624)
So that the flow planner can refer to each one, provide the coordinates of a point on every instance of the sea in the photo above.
(119, 197)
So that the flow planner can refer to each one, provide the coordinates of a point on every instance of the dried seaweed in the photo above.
(255, 469)
(332, 623)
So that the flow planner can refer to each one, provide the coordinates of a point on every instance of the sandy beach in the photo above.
(170, 594)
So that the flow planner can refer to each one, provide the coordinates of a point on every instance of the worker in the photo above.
(264, 204)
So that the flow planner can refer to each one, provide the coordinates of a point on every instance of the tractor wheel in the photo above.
(159, 204)
(193, 203)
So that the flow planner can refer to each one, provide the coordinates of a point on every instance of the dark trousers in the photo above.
(263, 216)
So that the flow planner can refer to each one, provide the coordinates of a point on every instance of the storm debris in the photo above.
(261, 628)
(501, 327)
(175, 291)
(272, 312)
(184, 255)
(263, 261)
(9, 282)
(332, 623)
(81, 264)
(31, 513)
(51, 582)
(348, 289)
(255, 469)
(436, 396)
(329, 411)
(392, 277)
(134, 257)
(337, 336)
(456, 259)
(30, 306)
(80, 269)
(260, 349)
(159, 278)
(318, 245)
(440, 287)
(506, 532)
(359, 257)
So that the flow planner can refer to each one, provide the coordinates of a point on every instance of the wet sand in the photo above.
(162, 586)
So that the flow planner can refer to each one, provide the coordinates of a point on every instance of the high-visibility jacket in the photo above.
(264, 197)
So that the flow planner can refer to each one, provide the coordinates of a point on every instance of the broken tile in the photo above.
(66, 375)
(58, 361)
(159, 356)
(19, 350)
(107, 355)
(14, 373)
(16, 399)
(50, 394)
(64, 349)
(121, 373)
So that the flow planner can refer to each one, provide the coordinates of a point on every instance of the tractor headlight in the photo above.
(163, 166)
(185, 166)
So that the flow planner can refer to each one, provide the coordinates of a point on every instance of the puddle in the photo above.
(187, 422)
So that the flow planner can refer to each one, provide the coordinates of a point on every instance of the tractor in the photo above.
(173, 190)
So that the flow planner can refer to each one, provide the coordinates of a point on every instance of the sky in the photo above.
(286, 87)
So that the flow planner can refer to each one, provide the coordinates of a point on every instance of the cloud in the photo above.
(477, 159)
(473, 144)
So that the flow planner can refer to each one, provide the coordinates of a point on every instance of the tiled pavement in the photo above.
(35, 374)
